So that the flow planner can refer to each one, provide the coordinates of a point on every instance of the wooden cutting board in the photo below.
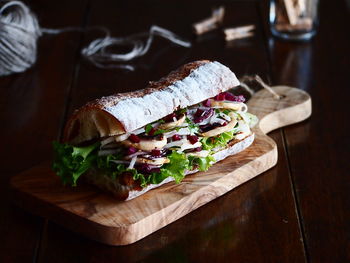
(88, 211)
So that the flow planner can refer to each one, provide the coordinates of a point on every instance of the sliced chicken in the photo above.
(156, 161)
(221, 129)
(173, 124)
(147, 144)
(228, 105)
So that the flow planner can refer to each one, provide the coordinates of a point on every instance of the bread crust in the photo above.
(126, 112)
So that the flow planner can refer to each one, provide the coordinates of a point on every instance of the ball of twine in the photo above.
(19, 31)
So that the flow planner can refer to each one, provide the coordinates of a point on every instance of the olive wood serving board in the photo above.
(97, 215)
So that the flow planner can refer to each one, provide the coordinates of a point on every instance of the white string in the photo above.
(19, 32)
(97, 51)
(267, 87)
(247, 88)
(261, 82)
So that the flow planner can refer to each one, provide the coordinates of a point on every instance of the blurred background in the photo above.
(296, 212)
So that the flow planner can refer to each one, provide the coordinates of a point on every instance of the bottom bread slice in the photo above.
(124, 192)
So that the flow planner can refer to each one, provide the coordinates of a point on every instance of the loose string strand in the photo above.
(98, 54)
(259, 80)
(19, 32)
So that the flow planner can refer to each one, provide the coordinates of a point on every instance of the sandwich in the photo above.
(129, 143)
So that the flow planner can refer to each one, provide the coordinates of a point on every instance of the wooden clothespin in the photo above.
(301, 7)
(296, 16)
(239, 32)
(291, 11)
(210, 23)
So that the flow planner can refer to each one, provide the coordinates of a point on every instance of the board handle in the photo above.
(294, 105)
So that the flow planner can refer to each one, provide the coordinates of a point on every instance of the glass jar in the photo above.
(294, 19)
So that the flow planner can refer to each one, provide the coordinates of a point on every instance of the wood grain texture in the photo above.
(100, 217)
(321, 178)
(31, 107)
(257, 222)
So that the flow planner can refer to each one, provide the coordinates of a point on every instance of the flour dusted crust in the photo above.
(126, 112)
(126, 193)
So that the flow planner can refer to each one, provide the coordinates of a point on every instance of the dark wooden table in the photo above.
(299, 211)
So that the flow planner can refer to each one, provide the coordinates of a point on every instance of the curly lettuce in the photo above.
(201, 163)
(221, 140)
(71, 162)
(177, 166)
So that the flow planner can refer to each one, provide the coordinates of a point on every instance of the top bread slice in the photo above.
(125, 112)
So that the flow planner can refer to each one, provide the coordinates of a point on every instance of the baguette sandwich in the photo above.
(129, 143)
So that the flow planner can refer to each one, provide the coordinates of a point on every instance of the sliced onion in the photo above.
(121, 137)
(187, 146)
(147, 168)
(155, 125)
(226, 117)
(204, 122)
(154, 166)
(221, 121)
(217, 120)
(107, 141)
(138, 131)
(135, 154)
(213, 118)
(184, 131)
(132, 163)
(192, 111)
(170, 134)
(202, 116)
(176, 143)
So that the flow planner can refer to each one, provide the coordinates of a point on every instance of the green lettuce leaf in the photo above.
(71, 162)
(179, 163)
(221, 140)
(201, 163)
(205, 162)
(148, 128)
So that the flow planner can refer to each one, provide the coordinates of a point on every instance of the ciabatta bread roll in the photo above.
(136, 141)
(126, 112)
